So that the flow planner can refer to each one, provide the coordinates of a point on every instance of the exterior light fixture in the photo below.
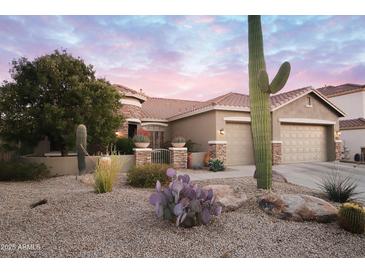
(221, 131)
(337, 134)
(118, 134)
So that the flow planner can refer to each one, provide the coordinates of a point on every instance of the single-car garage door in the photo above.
(303, 143)
(239, 144)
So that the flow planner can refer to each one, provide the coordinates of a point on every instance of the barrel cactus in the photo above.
(351, 217)
(81, 143)
(260, 89)
(183, 202)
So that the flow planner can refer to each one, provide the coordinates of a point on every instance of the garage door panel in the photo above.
(303, 143)
(239, 144)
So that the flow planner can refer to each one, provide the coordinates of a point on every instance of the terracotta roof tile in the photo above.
(131, 92)
(282, 98)
(352, 123)
(162, 108)
(331, 91)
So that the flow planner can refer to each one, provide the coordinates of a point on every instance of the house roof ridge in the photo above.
(175, 99)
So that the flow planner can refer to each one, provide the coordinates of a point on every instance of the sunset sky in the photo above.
(192, 57)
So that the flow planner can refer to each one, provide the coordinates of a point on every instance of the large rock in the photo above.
(229, 197)
(276, 177)
(298, 207)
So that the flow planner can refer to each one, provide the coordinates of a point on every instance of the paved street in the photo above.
(305, 174)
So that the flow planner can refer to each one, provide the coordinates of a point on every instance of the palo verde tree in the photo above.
(260, 90)
(50, 96)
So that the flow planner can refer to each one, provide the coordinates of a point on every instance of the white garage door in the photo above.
(303, 143)
(239, 144)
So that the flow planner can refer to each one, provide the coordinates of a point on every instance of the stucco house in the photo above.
(305, 124)
(351, 99)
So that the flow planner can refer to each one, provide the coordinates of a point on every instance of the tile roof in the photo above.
(352, 123)
(331, 91)
(162, 108)
(131, 92)
(282, 98)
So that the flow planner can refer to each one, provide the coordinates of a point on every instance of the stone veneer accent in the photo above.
(178, 157)
(338, 149)
(276, 152)
(218, 150)
(143, 156)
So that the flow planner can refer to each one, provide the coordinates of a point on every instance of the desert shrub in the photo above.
(124, 146)
(106, 173)
(22, 171)
(337, 186)
(179, 139)
(141, 139)
(147, 175)
(216, 165)
(183, 202)
(351, 217)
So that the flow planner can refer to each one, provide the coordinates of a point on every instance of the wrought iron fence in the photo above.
(160, 156)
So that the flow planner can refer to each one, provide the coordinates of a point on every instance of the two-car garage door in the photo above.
(303, 143)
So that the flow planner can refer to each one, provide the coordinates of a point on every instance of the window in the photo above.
(132, 130)
(309, 102)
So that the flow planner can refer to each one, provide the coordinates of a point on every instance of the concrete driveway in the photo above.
(309, 174)
(305, 174)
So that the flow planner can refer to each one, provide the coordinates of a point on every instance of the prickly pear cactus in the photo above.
(260, 89)
(81, 142)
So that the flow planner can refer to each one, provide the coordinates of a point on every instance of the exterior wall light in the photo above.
(337, 134)
(118, 134)
(221, 131)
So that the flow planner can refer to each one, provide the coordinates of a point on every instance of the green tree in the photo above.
(50, 96)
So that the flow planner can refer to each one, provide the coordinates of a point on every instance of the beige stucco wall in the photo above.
(353, 140)
(200, 128)
(298, 109)
(68, 165)
(353, 104)
(221, 123)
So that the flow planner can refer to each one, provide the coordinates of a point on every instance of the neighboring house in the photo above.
(304, 124)
(351, 99)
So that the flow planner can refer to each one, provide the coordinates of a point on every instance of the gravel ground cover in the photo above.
(76, 222)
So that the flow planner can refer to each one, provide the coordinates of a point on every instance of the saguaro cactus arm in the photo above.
(281, 78)
(277, 83)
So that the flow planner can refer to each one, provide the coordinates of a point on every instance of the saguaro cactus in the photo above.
(81, 142)
(260, 90)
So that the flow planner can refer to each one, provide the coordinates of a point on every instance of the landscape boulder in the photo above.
(298, 207)
(229, 197)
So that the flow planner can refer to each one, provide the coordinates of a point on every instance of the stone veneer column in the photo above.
(143, 156)
(178, 157)
(338, 149)
(218, 150)
(276, 152)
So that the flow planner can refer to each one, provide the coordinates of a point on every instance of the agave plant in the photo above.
(184, 202)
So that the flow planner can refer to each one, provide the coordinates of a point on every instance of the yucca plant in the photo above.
(337, 186)
(216, 165)
(351, 217)
(106, 173)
